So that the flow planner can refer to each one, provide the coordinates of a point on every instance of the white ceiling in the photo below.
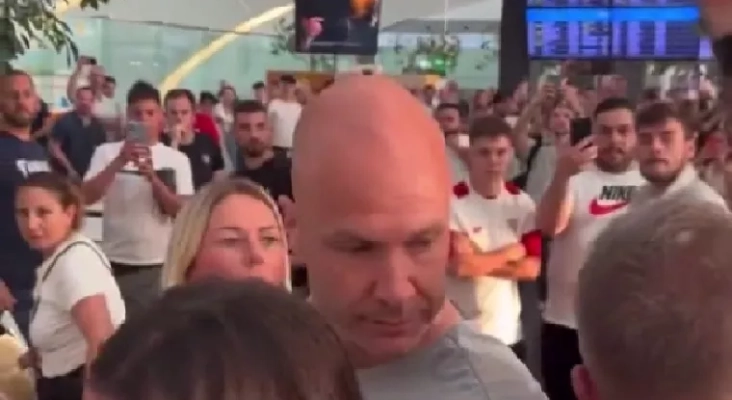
(223, 15)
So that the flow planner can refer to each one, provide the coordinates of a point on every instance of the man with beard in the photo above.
(592, 184)
(259, 160)
(666, 147)
(20, 156)
(372, 191)
(203, 153)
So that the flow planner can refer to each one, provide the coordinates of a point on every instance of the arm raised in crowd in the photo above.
(555, 208)
(104, 167)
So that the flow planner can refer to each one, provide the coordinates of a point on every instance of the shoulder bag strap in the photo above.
(52, 264)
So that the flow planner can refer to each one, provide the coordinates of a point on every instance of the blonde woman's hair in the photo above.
(192, 221)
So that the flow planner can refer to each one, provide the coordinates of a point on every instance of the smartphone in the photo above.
(579, 129)
(136, 132)
(92, 61)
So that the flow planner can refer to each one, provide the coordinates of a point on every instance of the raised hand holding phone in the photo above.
(573, 158)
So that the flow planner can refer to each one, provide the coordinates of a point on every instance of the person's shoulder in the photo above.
(520, 198)
(496, 367)
(704, 192)
(169, 155)
(80, 250)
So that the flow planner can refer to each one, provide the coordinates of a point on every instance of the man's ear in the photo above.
(583, 385)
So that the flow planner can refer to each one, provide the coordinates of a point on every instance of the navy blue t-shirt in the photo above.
(18, 159)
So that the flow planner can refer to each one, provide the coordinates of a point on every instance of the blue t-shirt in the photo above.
(18, 159)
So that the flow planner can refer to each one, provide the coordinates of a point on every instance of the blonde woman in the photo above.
(231, 229)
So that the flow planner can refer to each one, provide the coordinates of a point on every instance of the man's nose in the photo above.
(394, 282)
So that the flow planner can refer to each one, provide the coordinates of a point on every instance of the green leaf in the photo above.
(25, 23)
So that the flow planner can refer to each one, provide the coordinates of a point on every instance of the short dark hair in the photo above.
(66, 191)
(197, 336)
(178, 93)
(207, 96)
(249, 107)
(141, 90)
(612, 104)
(259, 85)
(461, 110)
(289, 79)
(110, 79)
(660, 112)
(488, 126)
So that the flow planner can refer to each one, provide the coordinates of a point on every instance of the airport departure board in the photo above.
(655, 33)
(573, 33)
(653, 3)
(568, 3)
(637, 30)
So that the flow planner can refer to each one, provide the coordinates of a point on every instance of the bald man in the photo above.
(371, 180)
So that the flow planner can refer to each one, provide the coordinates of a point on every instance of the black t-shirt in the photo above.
(204, 155)
(78, 140)
(18, 159)
(273, 174)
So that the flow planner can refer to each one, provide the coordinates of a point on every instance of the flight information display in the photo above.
(655, 33)
(569, 3)
(569, 33)
(653, 3)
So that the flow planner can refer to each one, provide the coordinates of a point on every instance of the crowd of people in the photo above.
(365, 242)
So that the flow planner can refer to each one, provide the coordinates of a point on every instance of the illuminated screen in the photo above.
(655, 33)
(653, 3)
(568, 33)
(569, 3)
(633, 32)
(705, 49)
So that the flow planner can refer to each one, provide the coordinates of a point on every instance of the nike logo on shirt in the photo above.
(598, 209)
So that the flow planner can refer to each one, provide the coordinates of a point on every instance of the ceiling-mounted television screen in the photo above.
(337, 26)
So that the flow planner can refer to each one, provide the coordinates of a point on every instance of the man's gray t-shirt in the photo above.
(462, 365)
(687, 184)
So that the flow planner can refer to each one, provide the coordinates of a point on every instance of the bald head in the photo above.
(371, 186)
(654, 304)
(371, 128)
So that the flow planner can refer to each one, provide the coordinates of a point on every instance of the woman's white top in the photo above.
(76, 270)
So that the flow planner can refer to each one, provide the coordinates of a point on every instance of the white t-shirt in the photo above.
(77, 270)
(283, 117)
(106, 108)
(134, 230)
(597, 197)
(224, 117)
(493, 303)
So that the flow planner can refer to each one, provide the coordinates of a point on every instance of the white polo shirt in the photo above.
(493, 303)
(75, 271)
(597, 197)
(134, 230)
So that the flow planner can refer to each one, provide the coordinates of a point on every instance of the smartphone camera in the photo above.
(580, 129)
